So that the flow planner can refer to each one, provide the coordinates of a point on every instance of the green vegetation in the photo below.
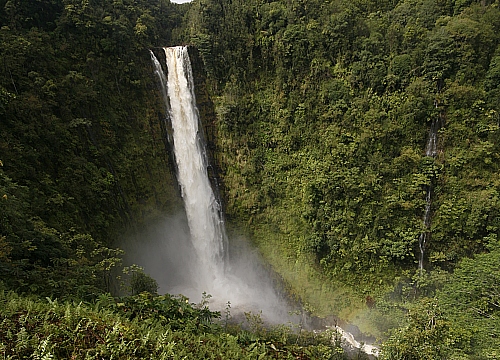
(323, 134)
(82, 146)
(142, 327)
(322, 113)
(324, 110)
(459, 322)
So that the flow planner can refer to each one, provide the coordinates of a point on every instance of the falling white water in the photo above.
(431, 151)
(240, 280)
(161, 77)
(351, 341)
(431, 147)
(202, 208)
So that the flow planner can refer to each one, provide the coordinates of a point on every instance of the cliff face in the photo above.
(208, 118)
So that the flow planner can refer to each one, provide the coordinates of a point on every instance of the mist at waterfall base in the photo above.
(166, 253)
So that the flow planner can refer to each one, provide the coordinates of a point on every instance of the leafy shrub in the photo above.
(143, 326)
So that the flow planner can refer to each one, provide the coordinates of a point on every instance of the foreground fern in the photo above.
(139, 327)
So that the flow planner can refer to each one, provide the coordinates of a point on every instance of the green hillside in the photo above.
(324, 111)
(82, 149)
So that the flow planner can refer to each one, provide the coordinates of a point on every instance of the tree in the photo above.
(471, 302)
(426, 336)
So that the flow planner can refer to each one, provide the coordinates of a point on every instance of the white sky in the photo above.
(180, 1)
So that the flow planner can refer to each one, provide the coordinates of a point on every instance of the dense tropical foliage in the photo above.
(81, 145)
(324, 119)
(323, 111)
(143, 327)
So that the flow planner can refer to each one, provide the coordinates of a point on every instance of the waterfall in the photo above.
(241, 279)
(202, 208)
(161, 77)
(431, 147)
(430, 151)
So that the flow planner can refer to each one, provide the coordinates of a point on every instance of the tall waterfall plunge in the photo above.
(202, 208)
(204, 263)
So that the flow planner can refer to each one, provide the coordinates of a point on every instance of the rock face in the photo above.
(208, 118)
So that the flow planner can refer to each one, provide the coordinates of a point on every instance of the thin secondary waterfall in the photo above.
(161, 77)
(203, 209)
(431, 151)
